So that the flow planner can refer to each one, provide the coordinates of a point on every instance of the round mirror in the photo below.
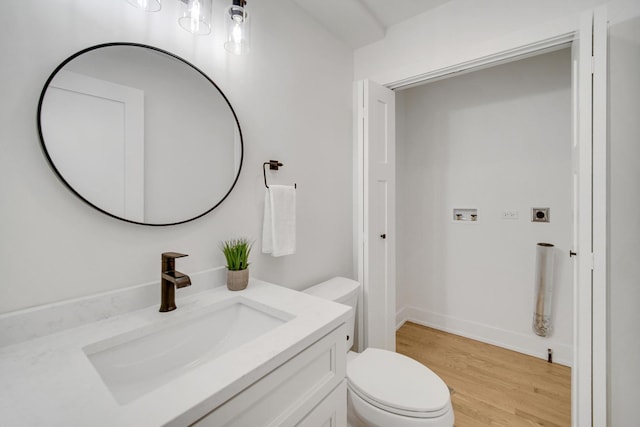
(140, 134)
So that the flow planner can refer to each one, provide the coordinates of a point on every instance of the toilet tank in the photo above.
(343, 291)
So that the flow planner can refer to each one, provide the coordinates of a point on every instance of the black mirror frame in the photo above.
(59, 174)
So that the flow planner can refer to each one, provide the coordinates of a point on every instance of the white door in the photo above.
(582, 236)
(376, 154)
(590, 216)
(95, 136)
(599, 219)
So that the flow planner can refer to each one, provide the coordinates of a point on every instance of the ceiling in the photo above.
(360, 22)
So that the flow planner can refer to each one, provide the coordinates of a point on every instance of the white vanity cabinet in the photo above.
(308, 390)
(290, 375)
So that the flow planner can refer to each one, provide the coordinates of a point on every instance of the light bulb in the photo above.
(194, 15)
(236, 34)
(238, 28)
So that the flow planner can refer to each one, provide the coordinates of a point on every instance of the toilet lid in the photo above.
(398, 384)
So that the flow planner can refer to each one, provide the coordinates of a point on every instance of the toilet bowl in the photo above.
(384, 388)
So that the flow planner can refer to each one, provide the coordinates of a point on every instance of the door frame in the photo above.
(589, 404)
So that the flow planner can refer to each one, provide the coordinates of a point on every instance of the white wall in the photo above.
(292, 95)
(624, 202)
(495, 140)
(463, 30)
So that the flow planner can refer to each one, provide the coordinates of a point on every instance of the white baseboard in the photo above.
(531, 345)
(402, 316)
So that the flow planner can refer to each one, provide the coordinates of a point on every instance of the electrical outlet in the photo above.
(540, 214)
(510, 214)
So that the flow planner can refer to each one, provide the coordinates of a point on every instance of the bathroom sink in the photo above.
(139, 361)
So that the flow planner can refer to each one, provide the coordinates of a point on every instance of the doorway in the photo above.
(588, 400)
(477, 156)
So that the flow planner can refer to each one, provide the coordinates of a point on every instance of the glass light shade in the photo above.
(195, 16)
(238, 28)
(146, 5)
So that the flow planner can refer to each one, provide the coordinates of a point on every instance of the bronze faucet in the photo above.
(170, 280)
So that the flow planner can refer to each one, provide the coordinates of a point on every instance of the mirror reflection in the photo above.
(140, 134)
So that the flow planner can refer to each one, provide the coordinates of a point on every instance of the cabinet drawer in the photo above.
(288, 393)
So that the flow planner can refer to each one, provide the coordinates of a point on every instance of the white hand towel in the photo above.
(279, 226)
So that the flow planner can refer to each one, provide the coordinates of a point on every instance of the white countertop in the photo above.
(49, 381)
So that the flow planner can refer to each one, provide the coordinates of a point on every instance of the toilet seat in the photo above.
(398, 384)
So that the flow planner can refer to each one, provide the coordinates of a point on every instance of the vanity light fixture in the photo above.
(195, 16)
(238, 28)
(146, 5)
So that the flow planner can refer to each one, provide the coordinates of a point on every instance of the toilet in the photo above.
(384, 388)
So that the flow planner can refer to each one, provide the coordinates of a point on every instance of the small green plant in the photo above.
(237, 251)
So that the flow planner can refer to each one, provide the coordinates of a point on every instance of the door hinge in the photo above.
(593, 65)
(591, 261)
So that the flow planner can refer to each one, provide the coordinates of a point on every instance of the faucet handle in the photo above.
(172, 255)
(169, 260)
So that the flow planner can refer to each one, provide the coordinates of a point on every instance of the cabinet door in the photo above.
(290, 392)
(331, 412)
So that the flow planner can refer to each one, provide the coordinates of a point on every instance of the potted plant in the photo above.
(237, 251)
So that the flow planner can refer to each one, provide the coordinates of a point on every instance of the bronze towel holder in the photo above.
(274, 165)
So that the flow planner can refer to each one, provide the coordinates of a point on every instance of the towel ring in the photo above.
(274, 165)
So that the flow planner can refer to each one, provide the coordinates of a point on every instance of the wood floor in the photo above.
(491, 386)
